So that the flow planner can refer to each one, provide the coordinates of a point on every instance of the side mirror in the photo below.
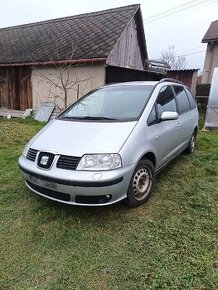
(166, 116)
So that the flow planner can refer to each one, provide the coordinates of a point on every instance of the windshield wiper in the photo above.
(70, 118)
(96, 118)
(89, 118)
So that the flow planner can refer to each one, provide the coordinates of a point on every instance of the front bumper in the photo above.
(85, 188)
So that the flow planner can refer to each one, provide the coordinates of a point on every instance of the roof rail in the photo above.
(171, 80)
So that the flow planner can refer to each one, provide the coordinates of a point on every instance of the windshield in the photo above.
(111, 103)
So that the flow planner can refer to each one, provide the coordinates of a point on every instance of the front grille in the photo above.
(68, 162)
(31, 154)
(49, 192)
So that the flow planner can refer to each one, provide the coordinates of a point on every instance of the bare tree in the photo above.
(63, 81)
(175, 62)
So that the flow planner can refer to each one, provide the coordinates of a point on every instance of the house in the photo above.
(211, 58)
(64, 58)
(187, 76)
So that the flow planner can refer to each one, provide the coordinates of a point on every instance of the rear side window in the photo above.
(182, 100)
(166, 101)
(191, 99)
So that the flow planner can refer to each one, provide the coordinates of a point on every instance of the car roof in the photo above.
(146, 83)
(133, 83)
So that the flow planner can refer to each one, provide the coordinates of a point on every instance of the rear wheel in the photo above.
(192, 144)
(142, 183)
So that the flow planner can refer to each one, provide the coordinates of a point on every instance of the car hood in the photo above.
(79, 138)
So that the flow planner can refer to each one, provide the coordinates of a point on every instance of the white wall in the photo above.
(211, 61)
(46, 83)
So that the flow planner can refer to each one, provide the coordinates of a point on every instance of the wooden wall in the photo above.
(126, 52)
(15, 88)
(187, 76)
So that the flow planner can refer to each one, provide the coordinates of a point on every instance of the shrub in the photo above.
(202, 89)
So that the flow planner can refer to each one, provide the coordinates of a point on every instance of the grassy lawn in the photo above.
(171, 242)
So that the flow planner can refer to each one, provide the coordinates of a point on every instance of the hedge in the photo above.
(202, 89)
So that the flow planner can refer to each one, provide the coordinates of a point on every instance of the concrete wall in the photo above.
(194, 82)
(47, 83)
(211, 61)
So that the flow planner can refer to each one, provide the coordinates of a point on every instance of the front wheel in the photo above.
(142, 183)
(192, 144)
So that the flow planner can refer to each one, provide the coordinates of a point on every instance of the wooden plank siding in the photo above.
(187, 76)
(126, 52)
(15, 88)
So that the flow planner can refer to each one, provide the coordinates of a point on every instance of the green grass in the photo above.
(171, 242)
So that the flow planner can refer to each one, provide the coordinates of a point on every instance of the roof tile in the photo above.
(87, 35)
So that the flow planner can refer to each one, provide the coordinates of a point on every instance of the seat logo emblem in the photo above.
(44, 160)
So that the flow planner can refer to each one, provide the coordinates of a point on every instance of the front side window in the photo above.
(124, 102)
(182, 99)
(166, 101)
(152, 119)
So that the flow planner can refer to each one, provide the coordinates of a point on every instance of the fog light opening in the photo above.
(96, 199)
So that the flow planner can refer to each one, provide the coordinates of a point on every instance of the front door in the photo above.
(165, 133)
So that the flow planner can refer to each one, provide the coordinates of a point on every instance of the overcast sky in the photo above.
(181, 23)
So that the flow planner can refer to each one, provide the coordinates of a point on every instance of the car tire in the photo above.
(192, 144)
(142, 183)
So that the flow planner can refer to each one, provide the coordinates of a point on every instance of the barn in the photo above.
(60, 60)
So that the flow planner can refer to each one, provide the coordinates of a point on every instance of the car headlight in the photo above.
(99, 162)
(25, 150)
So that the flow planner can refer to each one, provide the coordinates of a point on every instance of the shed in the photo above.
(187, 76)
(64, 58)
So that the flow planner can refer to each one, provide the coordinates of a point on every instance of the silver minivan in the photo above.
(109, 145)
